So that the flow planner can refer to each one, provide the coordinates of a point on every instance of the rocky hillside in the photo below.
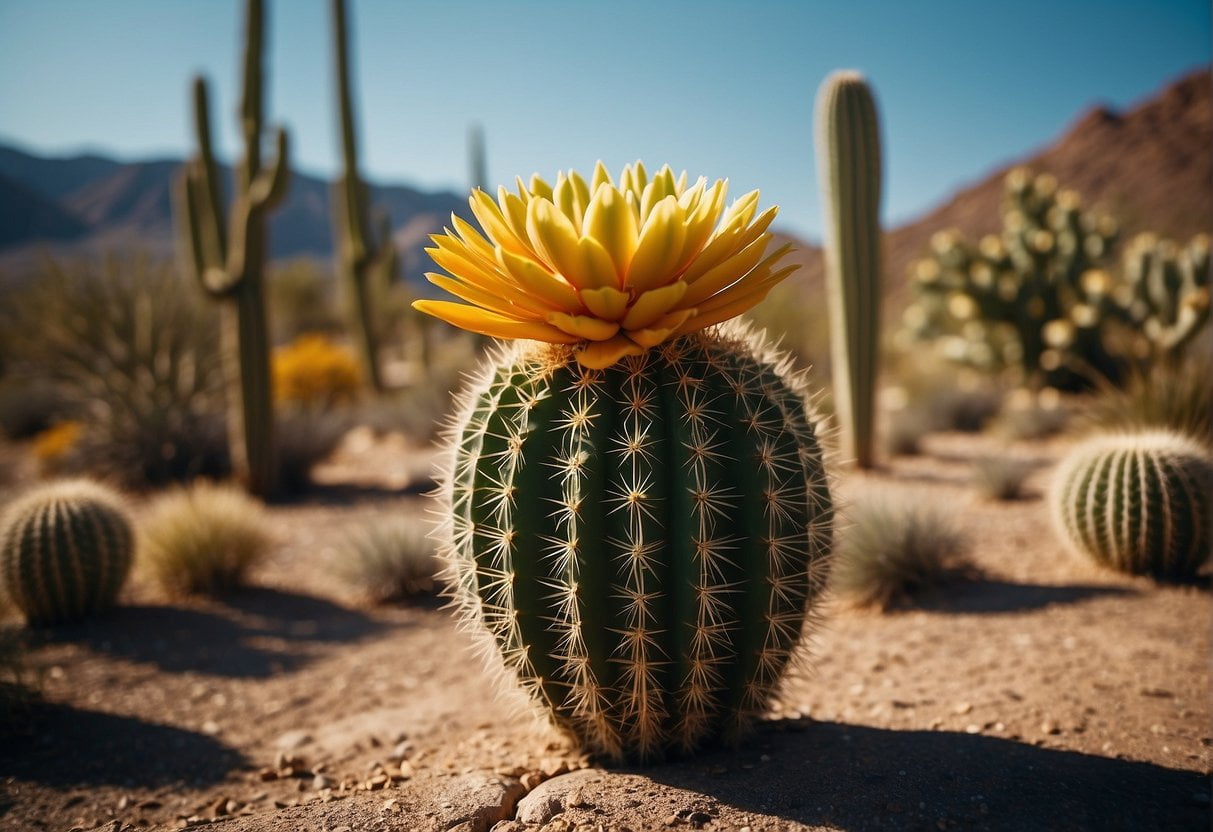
(86, 204)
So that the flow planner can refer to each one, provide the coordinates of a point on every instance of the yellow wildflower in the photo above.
(314, 370)
(611, 269)
(52, 444)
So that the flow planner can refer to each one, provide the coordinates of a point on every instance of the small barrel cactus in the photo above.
(65, 551)
(638, 515)
(1139, 503)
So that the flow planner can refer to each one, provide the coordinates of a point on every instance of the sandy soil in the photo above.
(1035, 692)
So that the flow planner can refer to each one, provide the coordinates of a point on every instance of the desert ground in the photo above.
(1033, 690)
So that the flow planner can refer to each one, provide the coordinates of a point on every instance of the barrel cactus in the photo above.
(1139, 503)
(638, 518)
(65, 551)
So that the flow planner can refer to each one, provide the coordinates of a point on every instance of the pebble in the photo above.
(962, 708)
(320, 782)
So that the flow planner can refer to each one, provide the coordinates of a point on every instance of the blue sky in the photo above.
(722, 89)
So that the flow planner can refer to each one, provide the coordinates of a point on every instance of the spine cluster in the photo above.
(641, 543)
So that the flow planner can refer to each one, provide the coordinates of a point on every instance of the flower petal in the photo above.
(483, 299)
(610, 221)
(602, 354)
(537, 280)
(729, 272)
(659, 247)
(651, 305)
(479, 320)
(606, 302)
(661, 330)
(583, 326)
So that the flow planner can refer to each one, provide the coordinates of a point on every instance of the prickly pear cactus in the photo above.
(65, 551)
(638, 515)
(1138, 503)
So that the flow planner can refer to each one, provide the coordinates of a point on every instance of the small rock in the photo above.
(972, 729)
(293, 740)
(962, 708)
(266, 774)
(553, 796)
(531, 779)
(210, 727)
(699, 819)
(320, 782)
(1049, 727)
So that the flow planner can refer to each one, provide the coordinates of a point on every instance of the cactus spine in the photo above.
(65, 551)
(642, 543)
(849, 169)
(229, 260)
(367, 261)
(1138, 503)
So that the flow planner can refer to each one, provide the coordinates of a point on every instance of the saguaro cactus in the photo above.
(1165, 292)
(65, 551)
(638, 513)
(1139, 503)
(367, 260)
(228, 259)
(849, 170)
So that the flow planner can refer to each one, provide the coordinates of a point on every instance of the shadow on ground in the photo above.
(855, 777)
(988, 595)
(253, 633)
(60, 746)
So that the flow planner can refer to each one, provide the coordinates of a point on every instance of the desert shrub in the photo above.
(202, 538)
(305, 436)
(893, 547)
(1001, 477)
(314, 371)
(301, 293)
(131, 349)
(391, 560)
(30, 405)
(1168, 395)
(905, 431)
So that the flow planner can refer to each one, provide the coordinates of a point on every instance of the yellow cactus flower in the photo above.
(611, 270)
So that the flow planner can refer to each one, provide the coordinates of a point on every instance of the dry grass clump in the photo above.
(1001, 477)
(1166, 395)
(305, 437)
(893, 548)
(905, 431)
(392, 560)
(202, 539)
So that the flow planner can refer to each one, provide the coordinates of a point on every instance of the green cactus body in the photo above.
(1166, 292)
(229, 260)
(1139, 503)
(367, 261)
(1035, 289)
(65, 551)
(848, 152)
(642, 544)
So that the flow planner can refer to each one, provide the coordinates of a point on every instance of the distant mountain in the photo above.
(1151, 167)
(87, 204)
(26, 214)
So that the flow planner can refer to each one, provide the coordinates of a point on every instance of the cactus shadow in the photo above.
(853, 777)
(60, 746)
(253, 633)
(976, 594)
